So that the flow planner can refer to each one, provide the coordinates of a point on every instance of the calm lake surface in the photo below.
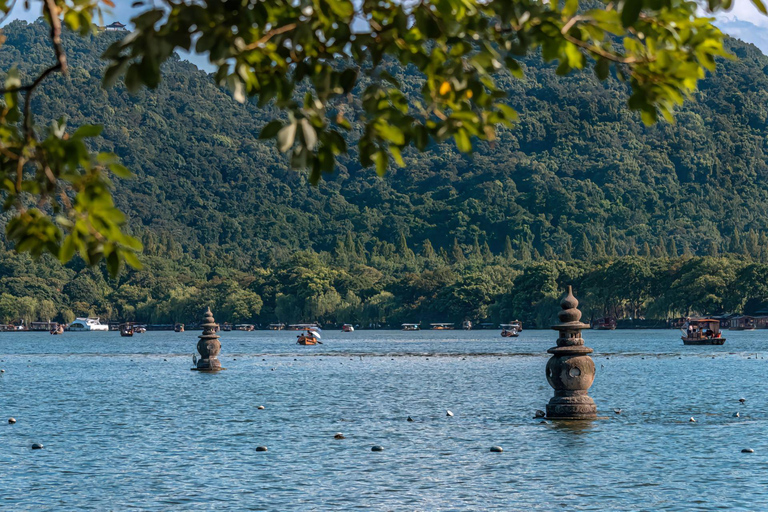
(126, 425)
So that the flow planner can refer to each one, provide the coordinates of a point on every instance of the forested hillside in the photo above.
(580, 192)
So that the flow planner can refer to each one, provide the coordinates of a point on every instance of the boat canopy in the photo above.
(441, 325)
(704, 321)
(410, 325)
(302, 326)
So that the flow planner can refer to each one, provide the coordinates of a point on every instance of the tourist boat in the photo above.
(604, 324)
(743, 323)
(466, 325)
(226, 327)
(411, 327)
(309, 337)
(126, 330)
(705, 331)
(347, 328)
(442, 327)
(178, 328)
(245, 327)
(509, 330)
(87, 324)
(302, 327)
(59, 329)
(276, 327)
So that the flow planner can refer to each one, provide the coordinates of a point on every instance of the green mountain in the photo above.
(580, 179)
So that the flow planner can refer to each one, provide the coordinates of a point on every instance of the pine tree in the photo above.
(584, 251)
(687, 250)
(349, 245)
(763, 243)
(487, 254)
(509, 253)
(476, 251)
(599, 248)
(736, 246)
(672, 249)
(712, 249)
(427, 251)
(646, 250)
(611, 248)
(549, 253)
(456, 252)
(402, 248)
(752, 244)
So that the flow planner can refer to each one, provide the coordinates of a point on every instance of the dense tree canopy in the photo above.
(306, 58)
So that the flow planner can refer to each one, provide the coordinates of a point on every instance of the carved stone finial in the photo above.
(208, 346)
(570, 371)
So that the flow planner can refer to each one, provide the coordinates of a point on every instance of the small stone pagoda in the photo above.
(209, 346)
(570, 371)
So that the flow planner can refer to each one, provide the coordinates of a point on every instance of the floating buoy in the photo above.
(377, 448)
(37, 446)
(742, 400)
(11, 420)
(692, 420)
(747, 450)
(2, 371)
(409, 419)
(539, 414)
(497, 449)
(617, 411)
(261, 407)
(736, 415)
(339, 435)
(261, 448)
(448, 413)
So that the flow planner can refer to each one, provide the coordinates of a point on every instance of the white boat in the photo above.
(87, 324)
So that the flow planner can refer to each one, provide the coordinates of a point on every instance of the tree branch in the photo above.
(269, 35)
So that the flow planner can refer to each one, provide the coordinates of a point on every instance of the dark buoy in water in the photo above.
(409, 419)
(747, 450)
(742, 400)
(497, 449)
(11, 421)
(339, 435)
(261, 407)
(736, 414)
(261, 448)
(617, 411)
(377, 448)
(539, 414)
(37, 446)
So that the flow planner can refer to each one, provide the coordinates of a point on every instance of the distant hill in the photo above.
(580, 165)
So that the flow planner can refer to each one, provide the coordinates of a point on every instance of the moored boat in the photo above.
(126, 330)
(59, 329)
(348, 328)
(276, 327)
(606, 323)
(704, 331)
(87, 324)
(442, 326)
(178, 328)
(411, 327)
(466, 325)
(245, 327)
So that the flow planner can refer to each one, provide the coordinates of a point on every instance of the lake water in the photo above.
(126, 425)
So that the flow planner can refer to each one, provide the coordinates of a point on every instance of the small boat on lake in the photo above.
(348, 328)
(466, 325)
(139, 329)
(705, 331)
(178, 328)
(743, 323)
(510, 330)
(59, 329)
(411, 327)
(226, 327)
(606, 323)
(441, 326)
(309, 337)
(245, 327)
(276, 327)
(126, 330)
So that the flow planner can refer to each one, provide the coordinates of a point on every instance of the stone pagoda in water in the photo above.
(209, 346)
(570, 371)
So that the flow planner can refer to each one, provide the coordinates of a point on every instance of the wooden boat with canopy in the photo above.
(126, 330)
(705, 331)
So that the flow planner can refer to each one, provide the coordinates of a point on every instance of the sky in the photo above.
(743, 21)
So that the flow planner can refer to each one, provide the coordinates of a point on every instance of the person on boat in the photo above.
(690, 330)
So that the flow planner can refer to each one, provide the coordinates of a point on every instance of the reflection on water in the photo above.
(126, 424)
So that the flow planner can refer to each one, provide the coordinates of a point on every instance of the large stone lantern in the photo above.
(570, 371)
(208, 346)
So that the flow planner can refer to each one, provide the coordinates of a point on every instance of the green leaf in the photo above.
(631, 12)
(270, 130)
(120, 171)
(382, 161)
(88, 130)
